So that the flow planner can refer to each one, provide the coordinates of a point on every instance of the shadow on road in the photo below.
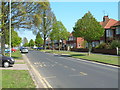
(70, 55)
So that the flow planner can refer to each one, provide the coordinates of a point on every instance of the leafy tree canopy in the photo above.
(38, 40)
(59, 32)
(31, 43)
(88, 28)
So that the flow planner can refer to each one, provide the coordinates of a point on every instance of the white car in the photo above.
(24, 50)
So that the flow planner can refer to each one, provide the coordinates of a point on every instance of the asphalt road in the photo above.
(66, 72)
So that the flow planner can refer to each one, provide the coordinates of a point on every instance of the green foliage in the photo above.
(37, 20)
(88, 28)
(59, 32)
(38, 40)
(112, 45)
(26, 44)
(31, 43)
(115, 43)
(103, 46)
(15, 40)
(22, 16)
(84, 43)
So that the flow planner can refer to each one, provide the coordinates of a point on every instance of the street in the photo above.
(66, 72)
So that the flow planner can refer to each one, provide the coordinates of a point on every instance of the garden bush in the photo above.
(103, 46)
(115, 43)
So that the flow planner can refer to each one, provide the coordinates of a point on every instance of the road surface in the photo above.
(66, 72)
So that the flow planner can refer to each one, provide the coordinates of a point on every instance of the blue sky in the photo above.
(70, 12)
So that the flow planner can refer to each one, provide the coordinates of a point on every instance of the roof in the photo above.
(107, 24)
(117, 23)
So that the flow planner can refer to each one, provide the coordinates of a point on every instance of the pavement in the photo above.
(67, 72)
(16, 66)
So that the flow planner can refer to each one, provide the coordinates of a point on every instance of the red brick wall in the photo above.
(79, 41)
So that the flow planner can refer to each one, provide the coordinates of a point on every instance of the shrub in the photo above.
(115, 43)
(102, 45)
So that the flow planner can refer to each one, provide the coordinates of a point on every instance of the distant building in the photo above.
(75, 42)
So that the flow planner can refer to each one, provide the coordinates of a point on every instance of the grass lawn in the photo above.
(16, 55)
(93, 57)
(16, 79)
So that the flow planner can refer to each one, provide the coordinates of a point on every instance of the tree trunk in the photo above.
(44, 45)
(90, 48)
(59, 44)
(52, 45)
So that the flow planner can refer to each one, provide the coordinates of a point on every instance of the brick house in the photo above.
(116, 28)
(75, 42)
(112, 31)
(56, 44)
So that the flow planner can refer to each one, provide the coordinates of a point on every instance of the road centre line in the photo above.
(73, 69)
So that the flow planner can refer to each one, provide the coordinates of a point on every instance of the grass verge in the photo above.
(17, 79)
(110, 59)
(16, 55)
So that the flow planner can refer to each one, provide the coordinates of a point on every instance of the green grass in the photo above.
(16, 55)
(16, 79)
(93, 57)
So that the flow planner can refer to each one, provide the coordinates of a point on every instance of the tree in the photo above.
(44, 24)
(22, 16)
(59, 32)
(38, 40)
(88, 28)
(31, 43)
(26, 44)
(15, 40)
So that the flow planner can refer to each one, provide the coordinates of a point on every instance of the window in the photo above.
(109, 33)
(71, 38)
(118, 30)
(79, 45)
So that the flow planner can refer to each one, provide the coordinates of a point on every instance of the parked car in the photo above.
(7, 50)
(24, 50)
(6, 61)
(39, 48)
(13, 50)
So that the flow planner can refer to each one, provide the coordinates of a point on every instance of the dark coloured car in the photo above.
(39, 48)
(6, 61)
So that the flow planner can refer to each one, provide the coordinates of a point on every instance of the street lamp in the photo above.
(10, 28)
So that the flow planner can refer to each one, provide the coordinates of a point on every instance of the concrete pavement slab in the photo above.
(16, 67)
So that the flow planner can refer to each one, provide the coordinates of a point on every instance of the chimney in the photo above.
(105, 18)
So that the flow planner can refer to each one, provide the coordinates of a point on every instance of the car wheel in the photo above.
(6, 64)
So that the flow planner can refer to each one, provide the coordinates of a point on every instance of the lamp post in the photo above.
(10, 27)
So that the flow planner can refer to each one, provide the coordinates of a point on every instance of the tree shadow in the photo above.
(15, 57)
(72, 55)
